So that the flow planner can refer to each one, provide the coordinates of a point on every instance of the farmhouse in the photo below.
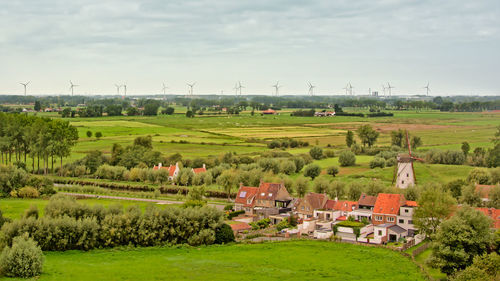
(265, 200)
(173, 170)
(199, 170)
(387, 207)
(245, 199)
(312, 201)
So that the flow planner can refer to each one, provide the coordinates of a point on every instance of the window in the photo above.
(407, 175)
(401, 221)
(390, 219)
(328, 216)
(410, 222)
(263, 194)
(308, 208)
(243, 194)
(270, 194)
(402, 182)
(378, 218)
(380, 233)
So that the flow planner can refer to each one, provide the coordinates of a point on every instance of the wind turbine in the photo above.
(191, 88)
(124, 89)
(390, 88)
(72, 87)
(118, 89)
(276, 88)
(383, 89)
(426, 87)
(346, 88)
(164, 89)
(311, 89)
(25, 85)
(350, 88)
(240, 87)
(236, 88)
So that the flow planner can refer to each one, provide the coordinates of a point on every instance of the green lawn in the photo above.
(14, 207)
(292, 260)
(434, 272)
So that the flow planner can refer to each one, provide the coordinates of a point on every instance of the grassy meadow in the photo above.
(292, 260)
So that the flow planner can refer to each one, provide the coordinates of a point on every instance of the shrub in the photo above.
(28, 192)
(321, 185)
(111, 172)
(312, 171)
(356, 148)
(316, 153)
(347, 158)
(231, 215)
(329, 153)
(224, 234)
(332, 170)
(287, 167)
(479, 176)
(24, 259)
(377, 162)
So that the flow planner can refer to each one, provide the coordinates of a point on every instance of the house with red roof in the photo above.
(327, 212)
(269, 111)
(345, 207)
(312, 201)
(265, 200)
(484, 191)
(386, 209)
(240, 227)
(405, 217)
(199, 170)
(245, 199)
(492, 213)
(173, 170)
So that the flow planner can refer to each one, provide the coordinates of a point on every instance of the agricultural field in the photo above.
(204, 136)
(292, 260)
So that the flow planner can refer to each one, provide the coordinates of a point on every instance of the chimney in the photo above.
(159, 165)
(241, 184)
(204, 167)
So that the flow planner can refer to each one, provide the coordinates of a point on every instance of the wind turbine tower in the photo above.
(118, 89)
(236, 89)
(427, 88)
(240, 87)
(164, 89)
(25, 85)
(191, 89)
(346, 88)
(276, 87)
(72, 87)
(383, 89)
(390, 89)
(311, 89)
(350, 88)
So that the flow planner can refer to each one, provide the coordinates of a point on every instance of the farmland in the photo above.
(291, 260)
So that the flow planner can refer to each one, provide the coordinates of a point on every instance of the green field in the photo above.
(292, 260)
(14, 207)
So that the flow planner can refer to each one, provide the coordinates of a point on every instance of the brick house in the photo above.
(173, 170)
(386, 209)
(312, 201)
(199, 170)
(245, 199)
(267, 199)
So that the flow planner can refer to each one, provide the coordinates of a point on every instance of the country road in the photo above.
(157, 201)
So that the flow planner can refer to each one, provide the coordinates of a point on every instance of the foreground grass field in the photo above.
(292, 260)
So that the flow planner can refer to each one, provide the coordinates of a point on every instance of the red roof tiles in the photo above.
(240, 226)
(246, 193)
(345, 206)
(493, 214)
(388, 203)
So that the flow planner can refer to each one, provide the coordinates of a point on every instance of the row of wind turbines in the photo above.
(238, 88)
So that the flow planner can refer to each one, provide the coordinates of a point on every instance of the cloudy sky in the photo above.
(453, 44)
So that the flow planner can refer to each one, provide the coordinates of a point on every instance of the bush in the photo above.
(329, 153)
(231, 215)
(332, 170)
(24, 259)
(224, 234)
(287, 167)
(377, 162)
(28, 192)
(312, 171)
(347, 158)
(111, 172)
(316, 153)
(479, 176)
(321, 185)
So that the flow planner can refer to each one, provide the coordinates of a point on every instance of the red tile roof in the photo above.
(493, 214)
(269, 111)
(484, 190)
(240, 226)
(345, 206)
(316, 200)
(330, 204)
(245, 193)
(367, 200)
(388, 203)
(342, 218)
(411, 203)
(199, 170)
(171, 170)
(268, 191)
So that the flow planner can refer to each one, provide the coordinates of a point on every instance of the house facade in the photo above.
(265, 200)
(245, 199)
(386, 209)
(173, 170)
(312, 201)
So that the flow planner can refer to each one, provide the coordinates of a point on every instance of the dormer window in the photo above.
(270, 194)
(263, 194)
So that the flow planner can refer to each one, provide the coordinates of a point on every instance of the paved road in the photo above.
(157, 201)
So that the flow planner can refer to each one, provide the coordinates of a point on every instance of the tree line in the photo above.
(40, 139)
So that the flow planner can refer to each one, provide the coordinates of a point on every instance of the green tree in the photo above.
(89, 134)
(146, 142)
(470, 196)
(434, 206)
(189, 114)
(337, 190)
(354, 191)
(461, 238)
(397, 137)
(367, 135)
(484, 267)
(349, 138)
(316, 153)
(301, 186)
(37, 106)
(98, 135)
(24, 259)
(479, 176)
(332, 170)
(321, 185)
(347, 158)
(465, 148)
(494, 197)
(312, 171)
(228, 180)
(416, 142)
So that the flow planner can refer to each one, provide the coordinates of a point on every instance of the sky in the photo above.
(452, 44)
